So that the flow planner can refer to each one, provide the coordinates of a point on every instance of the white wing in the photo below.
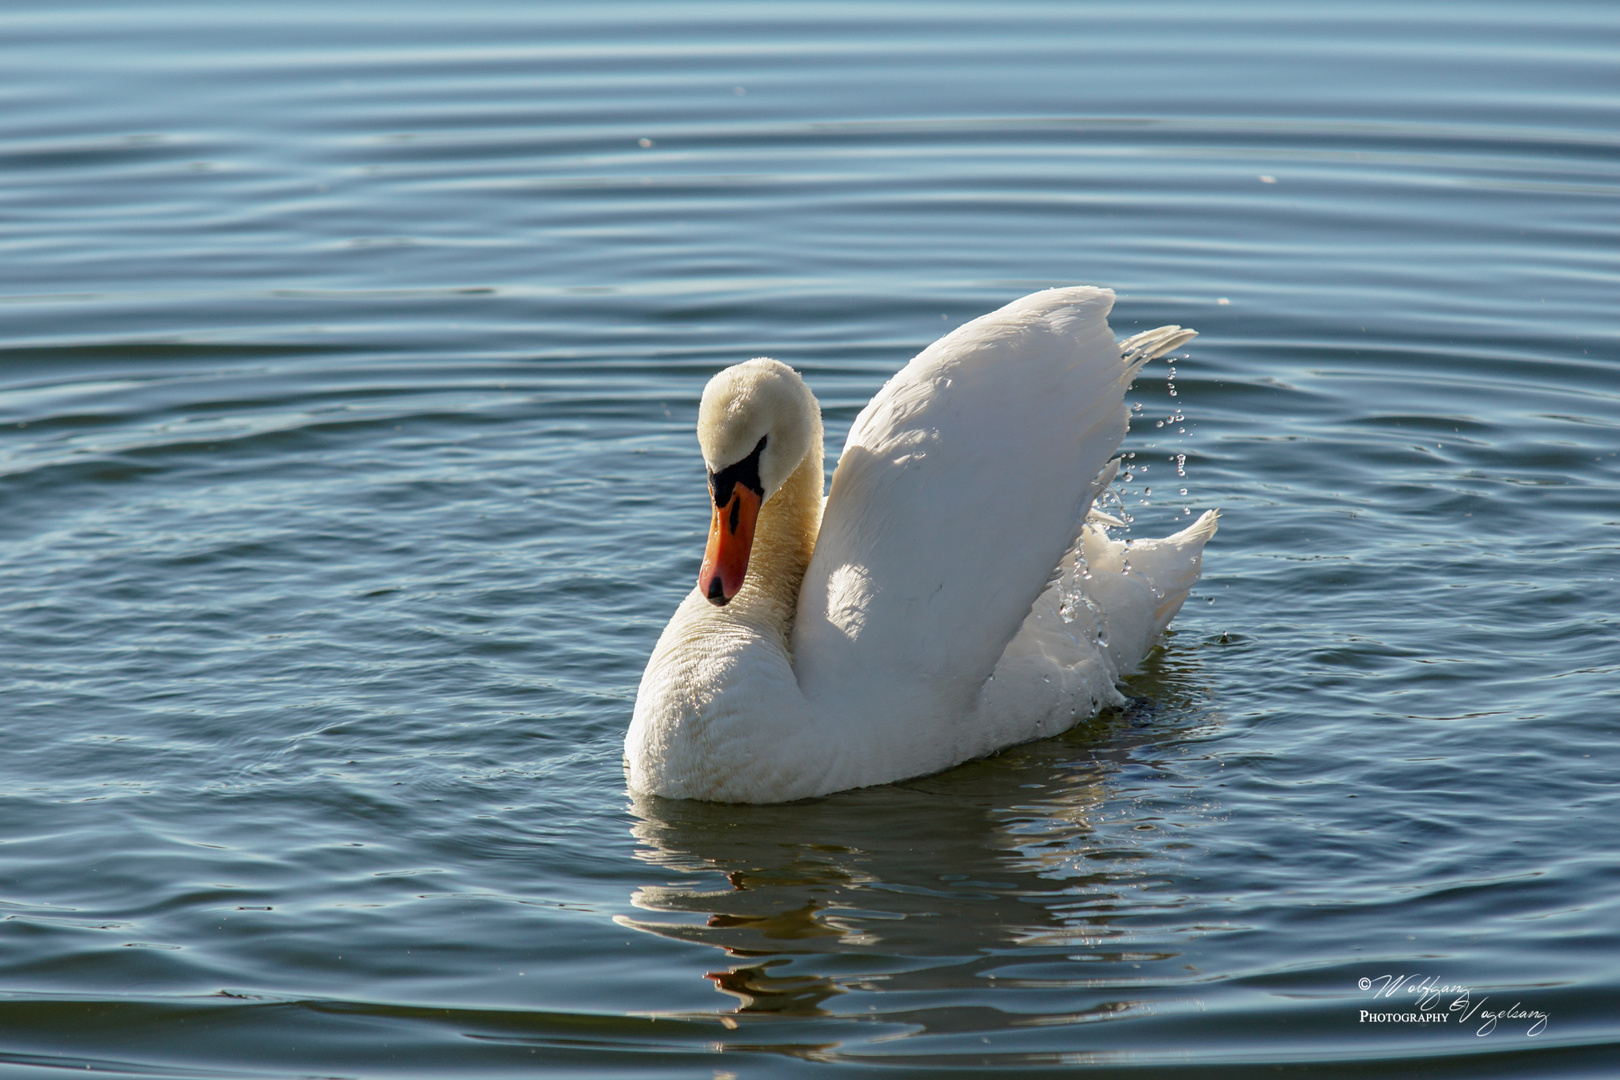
(961, 487)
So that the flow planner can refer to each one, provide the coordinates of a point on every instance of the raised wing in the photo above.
(961, 486)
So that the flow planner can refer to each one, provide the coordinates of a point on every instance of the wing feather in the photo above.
(962, 485)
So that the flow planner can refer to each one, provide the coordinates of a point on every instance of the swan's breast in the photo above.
(719, 715)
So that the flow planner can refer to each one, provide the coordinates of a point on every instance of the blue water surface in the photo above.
(349, 357)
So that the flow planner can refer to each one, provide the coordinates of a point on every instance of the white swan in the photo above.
(958, 595)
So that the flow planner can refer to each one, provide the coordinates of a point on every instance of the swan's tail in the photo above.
(1174, 564)
(1140, 587)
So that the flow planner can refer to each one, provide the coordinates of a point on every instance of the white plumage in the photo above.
(952, 599)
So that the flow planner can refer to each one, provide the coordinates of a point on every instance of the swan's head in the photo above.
(757, 422)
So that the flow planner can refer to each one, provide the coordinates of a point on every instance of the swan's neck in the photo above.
(784, 539)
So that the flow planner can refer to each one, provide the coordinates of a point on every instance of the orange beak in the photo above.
(731, 537)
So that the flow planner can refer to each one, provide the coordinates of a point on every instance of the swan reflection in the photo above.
(1027, 872)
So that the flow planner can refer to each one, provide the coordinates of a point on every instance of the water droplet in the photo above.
(1073, 597)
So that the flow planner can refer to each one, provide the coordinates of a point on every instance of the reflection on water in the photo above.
(944, 885)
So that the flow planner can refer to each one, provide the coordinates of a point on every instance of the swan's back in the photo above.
(961, 487)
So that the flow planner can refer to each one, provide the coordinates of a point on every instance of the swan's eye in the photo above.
(745, 472)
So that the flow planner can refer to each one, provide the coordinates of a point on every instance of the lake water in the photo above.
(349, 357)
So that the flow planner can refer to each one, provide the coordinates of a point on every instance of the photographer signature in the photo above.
(1428, 993)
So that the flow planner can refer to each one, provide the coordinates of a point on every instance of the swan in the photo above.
(955, 593)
